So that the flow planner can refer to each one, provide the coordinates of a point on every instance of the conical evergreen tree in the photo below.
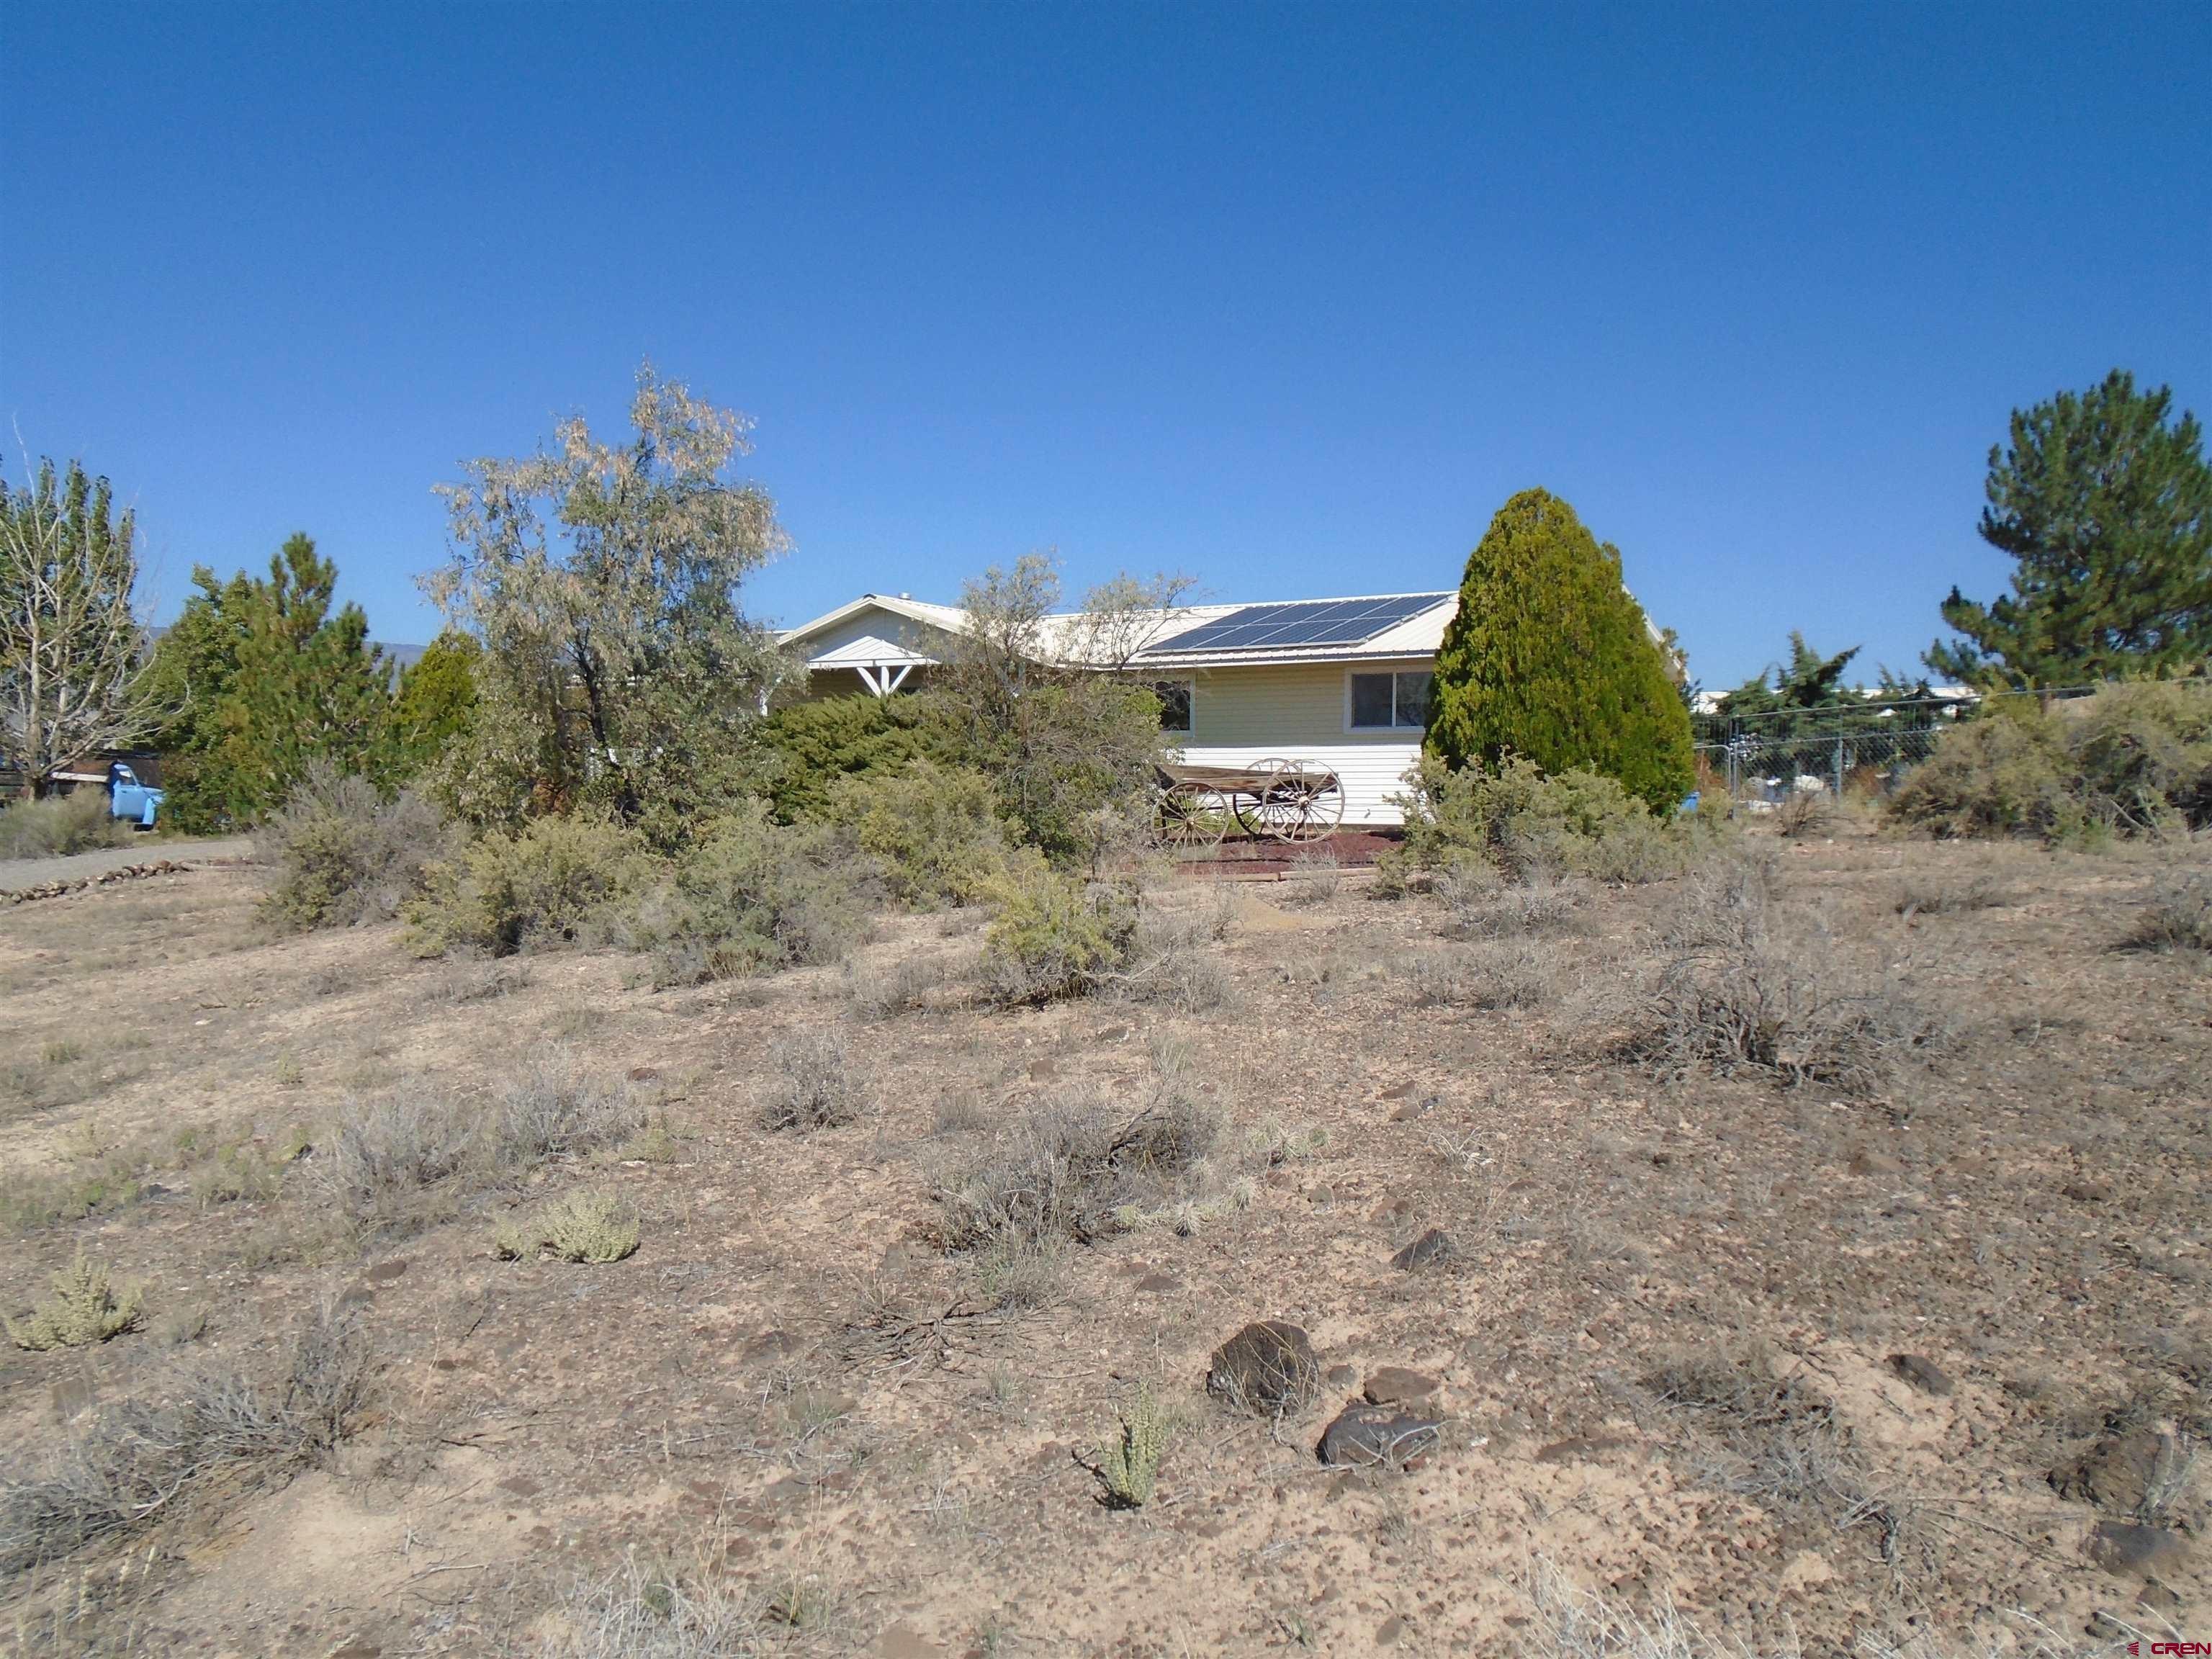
(2107, 511)
(1549, 658)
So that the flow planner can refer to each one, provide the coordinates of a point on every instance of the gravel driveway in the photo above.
(30, 873)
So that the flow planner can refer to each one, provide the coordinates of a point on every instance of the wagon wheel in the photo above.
(1260, 806)
(1321, 806)
(1305, 803)
(1192, 816)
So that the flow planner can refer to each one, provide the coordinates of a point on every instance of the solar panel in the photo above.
(1307, 623)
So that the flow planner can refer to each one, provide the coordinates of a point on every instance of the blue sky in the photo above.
(1288, 299)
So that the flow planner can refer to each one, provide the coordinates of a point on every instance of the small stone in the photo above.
(1867, 1162)
(1388, 1632)
(2158, 1597)
(2091, 1190)
(2127, 1551)
(1341, 1377)
(2121, 1469)
(1267, 1368)
(1394, 1385)
(1153, 1283)
(1377, 1435)
(1430, 1247)
(1921, 1372)
(385, 1271)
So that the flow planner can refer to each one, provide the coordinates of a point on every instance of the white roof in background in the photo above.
(1418, 635)
(869, 652)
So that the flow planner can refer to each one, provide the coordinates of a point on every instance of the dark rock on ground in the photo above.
(1377, 1435)
(1430, 1248)
(1269, 1367)
(2120, 1470)
(1921, 1372)
(1580, 1448)
(2127, 1551)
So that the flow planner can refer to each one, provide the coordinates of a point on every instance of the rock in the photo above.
(1341, 1377)
(1867, 1162)
(2127, 1551)
(2121, 1469)
(2089, 1191)
(2158, 1597)
(1267, 1368)
(1377, 1435)
(1154, 1284)
(1394, 1385)
(1430, 1247)
(385, 1271)
(1389, 1631)
(1921, 1372)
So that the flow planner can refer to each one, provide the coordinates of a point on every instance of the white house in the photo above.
(1344, 683)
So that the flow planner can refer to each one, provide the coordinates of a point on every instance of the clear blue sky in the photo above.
(1289, 299)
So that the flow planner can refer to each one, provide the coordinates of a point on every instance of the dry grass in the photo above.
(812, 1084)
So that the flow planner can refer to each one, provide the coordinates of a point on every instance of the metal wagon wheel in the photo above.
(1193, 816)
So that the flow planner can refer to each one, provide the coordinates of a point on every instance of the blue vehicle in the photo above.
(129, 799)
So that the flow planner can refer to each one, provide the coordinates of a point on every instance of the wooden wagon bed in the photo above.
(1284, 800)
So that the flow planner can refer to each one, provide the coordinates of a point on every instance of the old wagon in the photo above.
(1274, 799)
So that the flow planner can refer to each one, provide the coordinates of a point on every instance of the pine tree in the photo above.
(1548, 657)
(437, 701)
(2107, 510)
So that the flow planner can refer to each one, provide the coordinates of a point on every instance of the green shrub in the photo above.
(801, 753)
(83, 1310)
(587, 1227)
(934, 830)
(1129, 1457)
(753, 895)
(1533, 824)
(539, 887)
(74, 822)
(1052, 936)
(2128, 759)
(339, 853)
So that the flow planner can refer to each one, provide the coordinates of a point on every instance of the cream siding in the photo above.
(1240, 716)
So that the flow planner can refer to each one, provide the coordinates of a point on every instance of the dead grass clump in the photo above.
(1944, 895)
(81, 1311)
(78, 822)
(339, 853)
(1508, 973)
(1770, 1438)
(555, 1111)
(132, 1462)
(1805, 811)
(813, 1086)
(903, 987)
(2179, 914)
(392, 1145)
(642, 1613)
(1173, 962)
(1314, 879)
(1076, 1166)
(1480, 904)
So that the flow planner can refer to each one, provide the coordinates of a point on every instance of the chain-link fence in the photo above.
(1868, 745)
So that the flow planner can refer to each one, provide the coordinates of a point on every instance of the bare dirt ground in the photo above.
(1853, 1370)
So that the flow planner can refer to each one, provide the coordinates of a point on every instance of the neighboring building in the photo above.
(1344, 683)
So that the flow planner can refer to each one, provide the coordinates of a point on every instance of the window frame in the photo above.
(1189, 684)
(1394, 672)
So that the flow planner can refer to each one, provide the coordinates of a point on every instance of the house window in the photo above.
(1389, 703)
(1175, 705)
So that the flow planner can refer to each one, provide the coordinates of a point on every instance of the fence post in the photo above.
(1840, 765)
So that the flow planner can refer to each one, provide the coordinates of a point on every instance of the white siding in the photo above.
(1241, 715)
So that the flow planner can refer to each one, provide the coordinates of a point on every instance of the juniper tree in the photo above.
(2105, 508)
(1548, 657)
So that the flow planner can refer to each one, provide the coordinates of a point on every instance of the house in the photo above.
(1343, 682)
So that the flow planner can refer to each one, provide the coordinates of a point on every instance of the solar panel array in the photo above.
(1315, 621)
